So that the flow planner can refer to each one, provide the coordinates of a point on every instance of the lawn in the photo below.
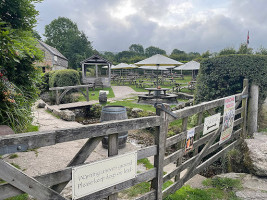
(94, 94)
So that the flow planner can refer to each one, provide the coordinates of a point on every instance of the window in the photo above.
(55, 58)
(43, 69)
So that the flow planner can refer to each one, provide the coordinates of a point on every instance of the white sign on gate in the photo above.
(211, 123)
(93, 177)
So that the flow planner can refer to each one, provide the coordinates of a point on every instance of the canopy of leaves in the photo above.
(64, 35)
(137, 48)
(19, 14)
(150, 51)
(223, 76)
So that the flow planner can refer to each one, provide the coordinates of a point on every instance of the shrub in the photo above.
(44, 86)
(14, 106)
(65, 77)
(223, 76)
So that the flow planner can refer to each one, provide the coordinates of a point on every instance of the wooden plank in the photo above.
(177, 154)
(142, 177)
(40, 139)
(199, 121)
(80, 158)
(64, 175)
(244, 106)
(25, 183)
(70, 87)
(189, 162)
(179, 184)
(215, 157)
(113, 150)
(160, 141)
(181, 146)
(189, 111)
(148, 196)
(202, 153)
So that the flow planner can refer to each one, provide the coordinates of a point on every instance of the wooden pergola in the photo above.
(96, 60)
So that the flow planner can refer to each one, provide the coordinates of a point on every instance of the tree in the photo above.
(64, 35)
(19, 14)
(177, 51)
(137, 48)
(18, 75)
(244, 49)
(150, 51)
(227, 51)
(262, 51)
(36, 35)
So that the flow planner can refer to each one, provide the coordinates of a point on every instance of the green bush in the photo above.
(44, 86)
(223, 76)
(65, 77)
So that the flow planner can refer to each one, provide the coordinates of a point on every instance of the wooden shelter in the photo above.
(98, 61)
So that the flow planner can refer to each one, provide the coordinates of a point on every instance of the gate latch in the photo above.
(162, 107)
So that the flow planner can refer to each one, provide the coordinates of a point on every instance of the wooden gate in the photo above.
(48, 186)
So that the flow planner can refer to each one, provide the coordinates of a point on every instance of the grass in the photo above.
(94, 95)
(19, 197)
(32, 128)
(12, 156)
(146, 163)
(51, 113)
(220, 188)
(132, 104)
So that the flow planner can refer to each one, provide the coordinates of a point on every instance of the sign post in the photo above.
(93, 177)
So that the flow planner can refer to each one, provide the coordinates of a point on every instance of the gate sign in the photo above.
(228, 119)
(211, 123)
(93, 177)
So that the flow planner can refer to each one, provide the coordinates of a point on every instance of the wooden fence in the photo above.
(48, 186)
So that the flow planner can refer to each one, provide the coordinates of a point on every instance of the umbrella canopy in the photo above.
(158, 60)
(124, 66)
(105, 67)
(192, 65)
(161, 68)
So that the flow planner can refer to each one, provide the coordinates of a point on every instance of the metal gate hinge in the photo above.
(162, 107)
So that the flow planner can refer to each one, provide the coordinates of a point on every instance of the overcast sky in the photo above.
(188, 25)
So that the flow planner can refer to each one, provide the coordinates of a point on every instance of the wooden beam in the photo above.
(40, 139)
(80, 158)
(25, 183)
(160, 141)
(64, 175)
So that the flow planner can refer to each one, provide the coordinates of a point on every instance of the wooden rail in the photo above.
(68, 88)
(49, 186)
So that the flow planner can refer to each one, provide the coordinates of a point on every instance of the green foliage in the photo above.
(244, 49)
(146, 163)
(19, 197)
(17, 56)
(137, 48)
(227, 51)
(223, 76)
(19, 14)
(223, 183)
(64, 35)
(44, 85)
(150, 51)
(14, 106)
(12, 156)
(188, 193)
(64, 77)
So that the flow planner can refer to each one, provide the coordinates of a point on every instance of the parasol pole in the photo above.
(157, 75)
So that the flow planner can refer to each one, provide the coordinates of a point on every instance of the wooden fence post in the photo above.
(113, 147)
(244, 106)
(160, 141)
(253, 109)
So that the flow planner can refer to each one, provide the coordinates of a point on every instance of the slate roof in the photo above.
(52, 50)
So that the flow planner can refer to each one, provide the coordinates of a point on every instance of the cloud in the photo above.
(188, 25)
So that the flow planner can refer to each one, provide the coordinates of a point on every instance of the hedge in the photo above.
(223, 76)
(65, 77)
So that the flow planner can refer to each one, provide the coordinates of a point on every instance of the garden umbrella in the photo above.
(158, 60)
(192, 65)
